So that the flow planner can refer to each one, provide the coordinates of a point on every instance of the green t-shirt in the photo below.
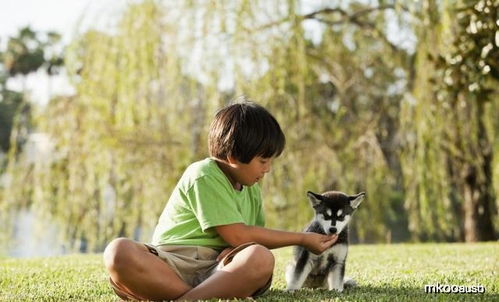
(204, 198)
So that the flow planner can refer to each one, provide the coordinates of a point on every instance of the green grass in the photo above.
(384, 273)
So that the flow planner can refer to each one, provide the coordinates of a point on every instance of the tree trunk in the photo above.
(479, 203)
(477, 209)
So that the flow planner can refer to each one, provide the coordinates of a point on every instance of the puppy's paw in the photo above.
(349, 282)
(291, 288)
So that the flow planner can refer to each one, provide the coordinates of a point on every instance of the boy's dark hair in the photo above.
(244, 130)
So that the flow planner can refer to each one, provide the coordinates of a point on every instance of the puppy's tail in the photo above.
(349, 282)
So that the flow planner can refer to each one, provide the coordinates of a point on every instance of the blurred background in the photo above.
(103, 104)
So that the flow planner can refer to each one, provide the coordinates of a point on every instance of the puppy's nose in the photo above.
(332, 230)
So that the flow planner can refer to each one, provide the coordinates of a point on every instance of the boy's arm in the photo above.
(239, 233)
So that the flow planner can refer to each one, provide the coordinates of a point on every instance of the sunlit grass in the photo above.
(384, 273)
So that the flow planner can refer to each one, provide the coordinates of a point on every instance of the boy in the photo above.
(210, 241)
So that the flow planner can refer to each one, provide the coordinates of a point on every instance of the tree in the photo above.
(124, 142)
(26, 53)
(9, 105)
(448, 153)
(471, 73)
(360, 113)
(331, 100)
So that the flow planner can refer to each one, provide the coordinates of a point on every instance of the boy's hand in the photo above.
(318, 243)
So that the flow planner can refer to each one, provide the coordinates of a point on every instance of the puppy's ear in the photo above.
(315, 199)
(355, 200)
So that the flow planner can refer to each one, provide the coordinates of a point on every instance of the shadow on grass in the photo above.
(371, 293)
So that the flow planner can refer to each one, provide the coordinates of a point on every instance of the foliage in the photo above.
(9, 106)
(361, 113)
(449, 123)
(124, 143)
(27, 52)
(396, 273)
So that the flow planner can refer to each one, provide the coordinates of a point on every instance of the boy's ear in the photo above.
(315, 199)
(355, 200)
(231, 160)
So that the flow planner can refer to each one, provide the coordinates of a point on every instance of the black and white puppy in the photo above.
(333, 211)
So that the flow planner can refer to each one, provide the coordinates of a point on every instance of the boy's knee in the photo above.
(262, 259)
(117, 253)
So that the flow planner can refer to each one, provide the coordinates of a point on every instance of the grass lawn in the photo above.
(384, 273)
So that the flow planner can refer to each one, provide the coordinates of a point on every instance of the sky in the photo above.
(67, 17)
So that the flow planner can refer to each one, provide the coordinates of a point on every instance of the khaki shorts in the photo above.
(193, 264)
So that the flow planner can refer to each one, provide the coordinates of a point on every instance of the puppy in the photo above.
(333, 211)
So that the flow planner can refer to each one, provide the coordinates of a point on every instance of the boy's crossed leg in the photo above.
(141, 275)
(250, 270)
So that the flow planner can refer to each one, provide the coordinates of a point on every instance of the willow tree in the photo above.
(146, 92)
(121, 142)
(329, 95)
(449, 123)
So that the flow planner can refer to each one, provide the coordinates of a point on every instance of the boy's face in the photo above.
(252, 172)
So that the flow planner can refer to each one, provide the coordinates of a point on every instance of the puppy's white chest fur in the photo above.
(322, 262)
(338, 252)
(320, 268)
